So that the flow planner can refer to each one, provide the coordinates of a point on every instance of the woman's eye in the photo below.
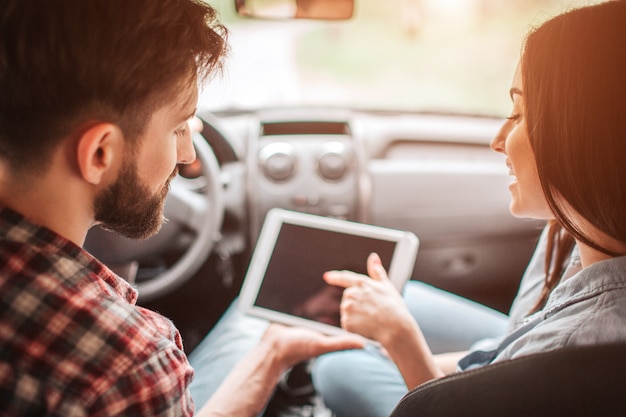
(514, 116)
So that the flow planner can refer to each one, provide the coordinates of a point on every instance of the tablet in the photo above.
(284, 280)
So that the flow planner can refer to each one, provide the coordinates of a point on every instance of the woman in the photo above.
(565, 146)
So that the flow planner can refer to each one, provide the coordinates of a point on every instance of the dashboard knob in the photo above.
(333, 163)
(277, 161)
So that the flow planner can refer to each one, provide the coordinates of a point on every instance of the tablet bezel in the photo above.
(399, 271)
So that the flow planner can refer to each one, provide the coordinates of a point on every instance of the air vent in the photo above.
(305, 128)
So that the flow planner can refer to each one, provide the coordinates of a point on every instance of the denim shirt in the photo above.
(586, 309)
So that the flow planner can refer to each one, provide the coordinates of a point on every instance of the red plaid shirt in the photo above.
(72, 340)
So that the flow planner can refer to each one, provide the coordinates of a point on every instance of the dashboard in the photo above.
(434, 175)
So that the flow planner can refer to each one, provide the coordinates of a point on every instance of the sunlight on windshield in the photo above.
(399, 55)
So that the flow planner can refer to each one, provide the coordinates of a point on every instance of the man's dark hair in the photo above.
(66, 62)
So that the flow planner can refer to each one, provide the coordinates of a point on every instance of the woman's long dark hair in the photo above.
(574, 80)
(560, 245)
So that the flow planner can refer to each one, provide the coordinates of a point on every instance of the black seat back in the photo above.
(581, 381)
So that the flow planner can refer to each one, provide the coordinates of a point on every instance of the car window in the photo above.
(444, 56)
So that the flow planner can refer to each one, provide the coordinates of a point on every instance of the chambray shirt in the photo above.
(72, 340)
(588, 308)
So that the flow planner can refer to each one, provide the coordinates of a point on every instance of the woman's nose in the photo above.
(497, 143)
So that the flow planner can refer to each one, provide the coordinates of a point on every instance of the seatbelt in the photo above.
(481, 358)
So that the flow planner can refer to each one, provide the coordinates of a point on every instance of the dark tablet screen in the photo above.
(293, 280)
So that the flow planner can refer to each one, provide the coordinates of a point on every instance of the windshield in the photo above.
(450, 56)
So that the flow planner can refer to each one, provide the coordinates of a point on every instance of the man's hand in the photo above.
(247, 389)
(295, 344)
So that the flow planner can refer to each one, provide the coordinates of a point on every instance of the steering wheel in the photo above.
(194, 208)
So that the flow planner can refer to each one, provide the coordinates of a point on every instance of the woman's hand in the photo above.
(371, 306)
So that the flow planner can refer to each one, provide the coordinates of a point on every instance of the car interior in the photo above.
(302, 119)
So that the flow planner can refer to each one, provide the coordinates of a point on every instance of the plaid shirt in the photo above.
(72, 340)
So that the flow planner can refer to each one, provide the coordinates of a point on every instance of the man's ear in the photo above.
(99, 151)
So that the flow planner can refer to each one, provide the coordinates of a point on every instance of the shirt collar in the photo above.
(17, 228)
(588, 282)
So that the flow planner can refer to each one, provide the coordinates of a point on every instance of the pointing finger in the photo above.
(343, 279)
(375, 267)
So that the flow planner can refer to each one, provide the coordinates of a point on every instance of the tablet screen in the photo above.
(293, 280)
(285, 283)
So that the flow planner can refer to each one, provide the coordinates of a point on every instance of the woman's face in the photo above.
(527, 198)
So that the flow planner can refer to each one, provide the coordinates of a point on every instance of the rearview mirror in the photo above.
(296, 9)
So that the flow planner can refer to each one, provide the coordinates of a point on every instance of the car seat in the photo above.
(575, 381)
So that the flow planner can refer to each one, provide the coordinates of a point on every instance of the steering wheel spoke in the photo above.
(185, 207)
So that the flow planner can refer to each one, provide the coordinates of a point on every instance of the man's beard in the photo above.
(128, 207)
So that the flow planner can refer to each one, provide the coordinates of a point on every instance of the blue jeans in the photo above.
(352, 383)
(230, 340)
